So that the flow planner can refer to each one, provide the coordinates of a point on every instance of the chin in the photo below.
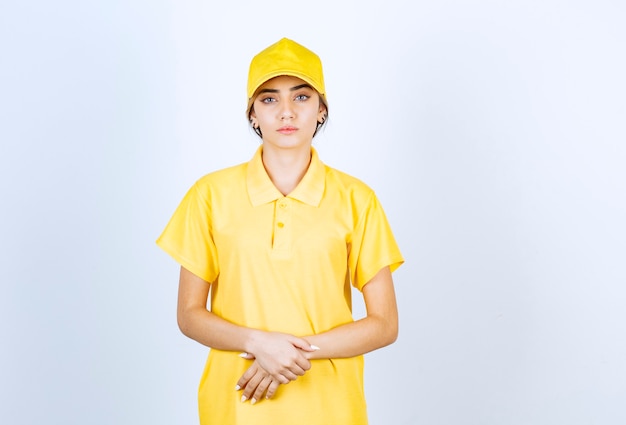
(289, 143)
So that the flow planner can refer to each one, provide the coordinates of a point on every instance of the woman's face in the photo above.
(287, 111)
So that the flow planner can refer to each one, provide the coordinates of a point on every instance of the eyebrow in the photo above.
(301, 86)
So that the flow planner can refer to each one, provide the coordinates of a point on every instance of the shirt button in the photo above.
(280, 224)
(282, 205)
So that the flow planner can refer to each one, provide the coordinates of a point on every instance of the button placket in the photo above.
(282, 230)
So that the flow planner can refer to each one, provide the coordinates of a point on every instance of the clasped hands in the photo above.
(279, 358)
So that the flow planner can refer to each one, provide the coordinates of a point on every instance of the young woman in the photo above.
(277, 242)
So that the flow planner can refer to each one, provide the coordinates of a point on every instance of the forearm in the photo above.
(354, 339)
(213, 331)
(281, 355)
(278, 353)
(378, 329)
(198, 323)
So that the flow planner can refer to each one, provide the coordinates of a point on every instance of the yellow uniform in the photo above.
(285, 264)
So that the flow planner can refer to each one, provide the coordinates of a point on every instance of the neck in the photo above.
(286, 167)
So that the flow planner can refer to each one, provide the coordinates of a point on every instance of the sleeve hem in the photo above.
(392, 263)
(183, 261)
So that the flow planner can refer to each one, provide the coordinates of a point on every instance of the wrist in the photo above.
(252, 341)
(314, 342)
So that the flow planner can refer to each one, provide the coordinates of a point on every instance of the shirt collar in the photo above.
(261, 189)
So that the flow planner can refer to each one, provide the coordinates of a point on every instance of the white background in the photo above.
(493, 132)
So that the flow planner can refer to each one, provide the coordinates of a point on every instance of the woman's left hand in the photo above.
(256, 382)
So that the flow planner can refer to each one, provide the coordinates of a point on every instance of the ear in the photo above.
(253, 120)
(321, 114)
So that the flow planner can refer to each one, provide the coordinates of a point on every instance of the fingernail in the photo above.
(253, 401)
(243, 398)
(243, 355)
(237, 387)
(315, 347)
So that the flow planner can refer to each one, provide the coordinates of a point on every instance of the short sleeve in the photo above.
(188, 236)
(373, 245)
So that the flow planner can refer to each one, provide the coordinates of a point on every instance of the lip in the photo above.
(287, 129)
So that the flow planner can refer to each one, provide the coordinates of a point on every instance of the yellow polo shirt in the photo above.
(285, 264)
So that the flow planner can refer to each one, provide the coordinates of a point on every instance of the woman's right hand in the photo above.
(281, 355)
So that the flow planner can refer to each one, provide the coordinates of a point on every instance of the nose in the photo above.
(286, 111)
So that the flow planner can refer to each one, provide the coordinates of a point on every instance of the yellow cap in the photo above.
(286, 57)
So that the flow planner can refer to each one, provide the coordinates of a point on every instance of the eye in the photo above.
(268, 100)
(302, 97)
